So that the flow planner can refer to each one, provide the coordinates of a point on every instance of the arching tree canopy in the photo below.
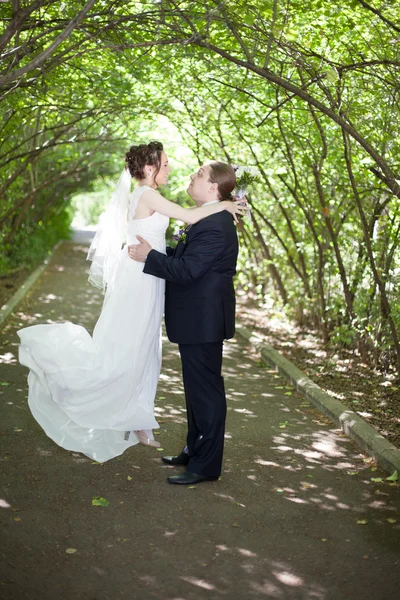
(306, 91)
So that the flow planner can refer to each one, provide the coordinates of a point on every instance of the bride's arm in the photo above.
(154, 201)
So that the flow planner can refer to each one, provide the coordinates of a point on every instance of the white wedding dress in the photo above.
(85, 391)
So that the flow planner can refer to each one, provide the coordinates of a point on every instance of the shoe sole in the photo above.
(175, 464)
(192, 482)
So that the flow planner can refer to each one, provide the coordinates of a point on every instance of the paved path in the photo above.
(294, 516)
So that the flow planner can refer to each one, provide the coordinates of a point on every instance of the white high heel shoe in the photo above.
(146, 437)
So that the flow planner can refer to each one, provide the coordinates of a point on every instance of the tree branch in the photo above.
(379, 14)
(38, 60)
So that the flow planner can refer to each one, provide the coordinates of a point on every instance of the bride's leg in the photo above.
(146, 437)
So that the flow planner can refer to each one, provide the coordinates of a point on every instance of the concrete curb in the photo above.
(366, 437)
(7, 309)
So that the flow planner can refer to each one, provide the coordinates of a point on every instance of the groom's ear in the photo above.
(214, 187)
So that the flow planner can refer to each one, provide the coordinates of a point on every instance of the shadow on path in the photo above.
(295, 515)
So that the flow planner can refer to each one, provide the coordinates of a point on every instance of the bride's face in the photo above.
(162, 175)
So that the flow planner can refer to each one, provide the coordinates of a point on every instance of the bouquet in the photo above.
(245, 177)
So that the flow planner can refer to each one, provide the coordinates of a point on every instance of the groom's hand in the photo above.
(139, 251)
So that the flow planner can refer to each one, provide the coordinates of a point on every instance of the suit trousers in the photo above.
(205, 405)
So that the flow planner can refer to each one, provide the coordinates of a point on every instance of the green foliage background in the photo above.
(306, 91)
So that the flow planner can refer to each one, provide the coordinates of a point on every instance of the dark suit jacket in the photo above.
(199, 296)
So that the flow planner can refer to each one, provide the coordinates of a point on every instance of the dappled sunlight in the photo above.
(47, 298)
(170, 413)
(201, 583)
(229, 498)
(306, 491)
(307, 454)
(300, 453)
(296, 500)
(270, 578)
(334, 394)
(247, 553)
(169, 374)
(229, 348)
(307, 95)
(8, 358)
(78, 248)
(245, 411)
(170, 534)
(288, 578)
(292, 488)
(328, 447)
(42, 452)
(318, 446)
(341, 373)
(25, 320)
(261, 576)
(268, 463)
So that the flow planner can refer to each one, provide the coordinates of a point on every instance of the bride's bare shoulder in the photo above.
(142, 207)
(149, 194)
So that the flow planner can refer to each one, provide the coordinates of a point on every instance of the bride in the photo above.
(95, 394)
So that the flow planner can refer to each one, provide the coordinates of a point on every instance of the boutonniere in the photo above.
(180, 235)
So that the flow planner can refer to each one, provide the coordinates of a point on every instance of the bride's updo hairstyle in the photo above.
(224, 176)
(140, 156)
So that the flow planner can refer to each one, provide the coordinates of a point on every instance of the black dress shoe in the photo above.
(181, 459)
(189, 478)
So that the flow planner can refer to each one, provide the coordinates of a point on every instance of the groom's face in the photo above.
(200, 188)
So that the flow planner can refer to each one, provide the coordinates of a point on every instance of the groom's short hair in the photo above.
(224, 176)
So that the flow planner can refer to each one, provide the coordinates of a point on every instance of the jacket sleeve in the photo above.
(170, 250)
(205, 246)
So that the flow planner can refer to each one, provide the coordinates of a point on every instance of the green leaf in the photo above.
(393, 477)
(332, 76)
(249, 19)
(98, 501)
(291, 35)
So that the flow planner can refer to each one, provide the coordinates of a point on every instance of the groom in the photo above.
(199, 315)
